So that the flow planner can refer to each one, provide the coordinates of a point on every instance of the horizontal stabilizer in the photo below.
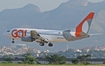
(96, 34)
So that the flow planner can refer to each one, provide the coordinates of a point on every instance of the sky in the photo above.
(44, 5)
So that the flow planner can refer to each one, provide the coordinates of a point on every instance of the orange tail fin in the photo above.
(84, 26)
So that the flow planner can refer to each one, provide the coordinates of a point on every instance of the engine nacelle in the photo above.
(27, 39)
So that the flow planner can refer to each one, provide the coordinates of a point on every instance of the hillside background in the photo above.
(67, 16)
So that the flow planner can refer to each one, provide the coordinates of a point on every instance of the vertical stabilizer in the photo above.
(84, 26)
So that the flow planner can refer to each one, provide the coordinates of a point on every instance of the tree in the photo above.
(8, 60)
(82, 59)
(104, 62)
(28, 59)
(56, 59)
(75, 61)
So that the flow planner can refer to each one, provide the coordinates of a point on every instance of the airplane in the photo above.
(43, 36)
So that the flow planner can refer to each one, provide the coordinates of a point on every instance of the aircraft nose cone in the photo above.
(5, 34)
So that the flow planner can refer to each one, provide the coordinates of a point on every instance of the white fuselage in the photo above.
(49, 35)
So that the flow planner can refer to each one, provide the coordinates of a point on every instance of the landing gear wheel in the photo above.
(41, 44)
(13, 41)
(50, 44)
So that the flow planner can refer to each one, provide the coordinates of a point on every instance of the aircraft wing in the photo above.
(36, 36)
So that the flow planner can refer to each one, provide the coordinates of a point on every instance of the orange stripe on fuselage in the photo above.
(79, 27)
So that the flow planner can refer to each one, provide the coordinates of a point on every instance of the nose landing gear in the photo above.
(13, 41)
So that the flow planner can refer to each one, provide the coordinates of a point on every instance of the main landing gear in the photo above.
(50, 44)
(41, 44)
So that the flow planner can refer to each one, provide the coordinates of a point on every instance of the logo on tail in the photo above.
(84, 26)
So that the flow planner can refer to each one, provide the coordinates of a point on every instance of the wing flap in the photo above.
(35, 36)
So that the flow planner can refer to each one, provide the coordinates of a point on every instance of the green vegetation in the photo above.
(53, 60)
(56, 59)
(43, 65)
(8, 60)
(81, 59)
(28, 59)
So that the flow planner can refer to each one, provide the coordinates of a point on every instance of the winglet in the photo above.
(84, 26)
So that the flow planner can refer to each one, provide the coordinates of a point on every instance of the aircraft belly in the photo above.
(52, 38)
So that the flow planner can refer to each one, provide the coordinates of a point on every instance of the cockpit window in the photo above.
(8, 31)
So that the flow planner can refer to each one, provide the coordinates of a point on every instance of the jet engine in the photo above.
(27, 39)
